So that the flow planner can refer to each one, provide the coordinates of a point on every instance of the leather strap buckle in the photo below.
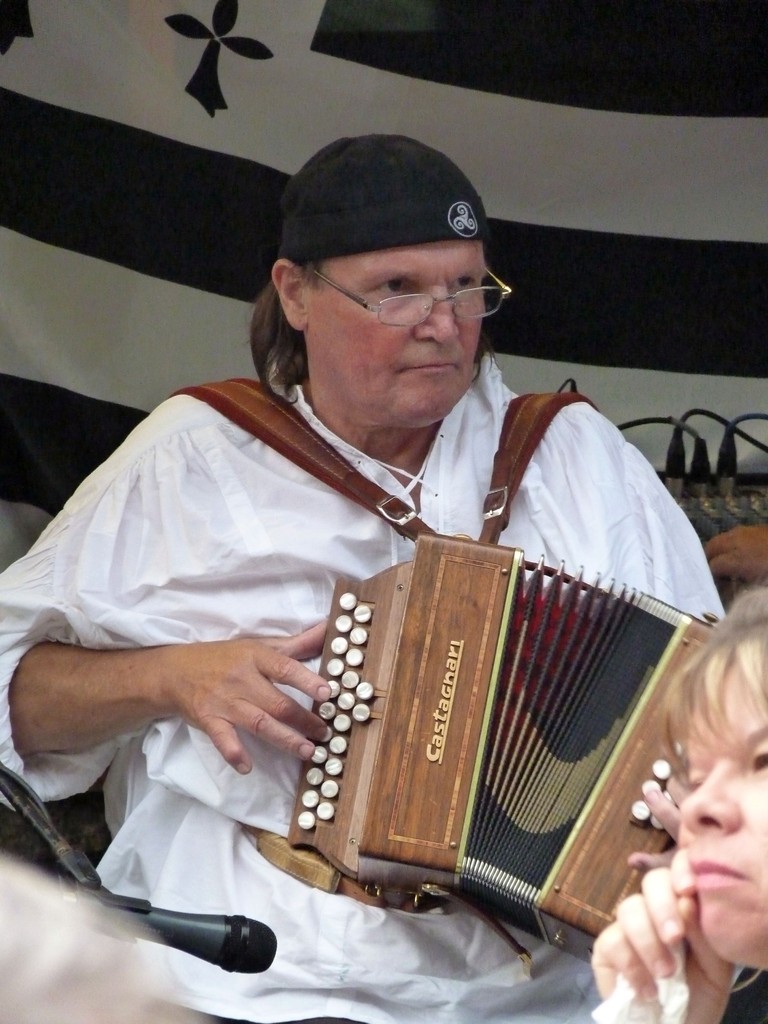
(495, 502)
(395, 511)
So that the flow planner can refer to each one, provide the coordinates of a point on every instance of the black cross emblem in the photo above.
(204, 84)
(14, 22)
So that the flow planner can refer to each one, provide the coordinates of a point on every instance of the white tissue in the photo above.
(623, 1006)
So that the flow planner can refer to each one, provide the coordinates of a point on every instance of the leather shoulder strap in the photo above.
(525, 423)
(277, 423)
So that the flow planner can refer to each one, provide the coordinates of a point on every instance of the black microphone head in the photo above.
(249, 946)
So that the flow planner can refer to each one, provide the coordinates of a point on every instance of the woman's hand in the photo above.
(652, 929)
(663, 805)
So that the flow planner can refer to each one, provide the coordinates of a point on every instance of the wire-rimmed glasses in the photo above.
(410, 310)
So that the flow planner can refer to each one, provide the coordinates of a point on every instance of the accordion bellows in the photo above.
(494, 723)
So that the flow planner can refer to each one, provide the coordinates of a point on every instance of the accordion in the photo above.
(490, 727)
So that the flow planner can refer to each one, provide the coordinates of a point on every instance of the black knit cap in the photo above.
(376, 192)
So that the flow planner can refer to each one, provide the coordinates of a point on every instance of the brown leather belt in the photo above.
(311, 867)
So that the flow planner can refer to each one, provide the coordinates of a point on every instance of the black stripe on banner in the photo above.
(208, 220)
(697, 57)
(51, 438)
(170, 210)
(632, 301)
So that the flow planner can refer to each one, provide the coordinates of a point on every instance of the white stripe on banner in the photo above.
(625, 395)
(111, 333)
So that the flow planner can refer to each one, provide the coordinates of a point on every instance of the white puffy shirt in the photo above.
(194, 530)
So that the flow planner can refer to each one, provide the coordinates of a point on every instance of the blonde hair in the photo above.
(736, 654)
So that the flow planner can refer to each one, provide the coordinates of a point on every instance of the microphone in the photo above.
(233, 943)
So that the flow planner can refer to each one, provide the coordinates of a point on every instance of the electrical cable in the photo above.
(724, 421)
(727, 466)
(674, 468)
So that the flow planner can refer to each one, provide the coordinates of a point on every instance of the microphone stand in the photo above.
(233, 943)
(71, 862)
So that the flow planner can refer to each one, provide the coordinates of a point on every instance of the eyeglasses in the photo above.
(410, 310)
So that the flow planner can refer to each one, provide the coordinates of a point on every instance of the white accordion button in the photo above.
(361, 712)
(310, 798)
(354, 657)
(359, 636)
(306, 820)
(346, 701)
(335, 667)
(362, 613)
(364, 691)
(327, 710)
(342, 723)
(329, 789)
(334, 766)
(325, 811)
(662, 770)
(338, 745)
(315, 776)
(335, 688)
(344, 623)
(320, 755)
(350, 679)
(339, 645)
(347, 601)
(640, 811)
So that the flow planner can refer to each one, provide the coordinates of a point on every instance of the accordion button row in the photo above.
(348, 703)
(640, 811)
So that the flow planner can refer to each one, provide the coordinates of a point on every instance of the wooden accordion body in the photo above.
(514, 717)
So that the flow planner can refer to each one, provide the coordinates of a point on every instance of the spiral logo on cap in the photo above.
(462, 219)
